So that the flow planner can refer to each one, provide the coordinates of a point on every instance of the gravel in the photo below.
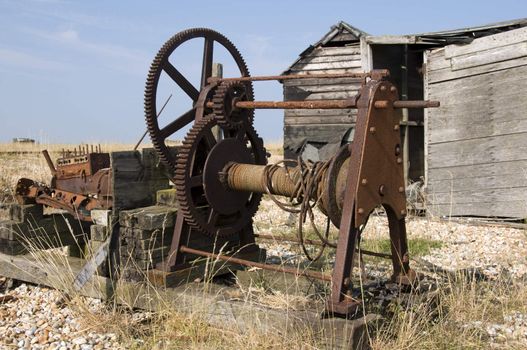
(33, 320)
(495, 251)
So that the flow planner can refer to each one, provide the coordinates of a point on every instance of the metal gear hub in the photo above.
(205, 203)
(224, 99)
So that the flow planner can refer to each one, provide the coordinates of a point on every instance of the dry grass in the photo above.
(458, 318)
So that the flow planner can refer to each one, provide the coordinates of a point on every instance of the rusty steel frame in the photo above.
(374, 171)
(373, 177)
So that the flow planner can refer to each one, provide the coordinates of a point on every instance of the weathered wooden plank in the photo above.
(325, 59)
(335, 51)
(45, 226)
(148, 218)
(330, 95)
(327, 71)
(489, 169)
(322, 81)
(132, 194)
(491, 77)
(448, 132)
(493, 55)
(167, 197)
(326, 66)
(480, 195)
(391, 39)
(20, 213)
(294, 134)
(488, 42)
(511, 209)
(323, 88)
(52, 269)
(344, 36)
(436, 60)
(490, 111)
(447, 74)
(478, 151)
(319, 112)
(99, 233)
(477, 181)
(337, 119)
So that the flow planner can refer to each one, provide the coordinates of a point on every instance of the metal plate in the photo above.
(222, 199)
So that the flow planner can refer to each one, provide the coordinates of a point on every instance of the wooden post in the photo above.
(217, 72)
(405, 128)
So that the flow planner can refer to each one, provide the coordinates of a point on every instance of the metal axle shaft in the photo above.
(326, 104)
(294, 271)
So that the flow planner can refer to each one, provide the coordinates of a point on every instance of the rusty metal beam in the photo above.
(379, 73)
(318, 104)
(296, 272)
(327, 104)
(406, 104)
(50, 162)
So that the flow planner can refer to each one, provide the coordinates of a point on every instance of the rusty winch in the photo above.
(220, 177)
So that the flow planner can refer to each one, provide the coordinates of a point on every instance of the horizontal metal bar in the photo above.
(327, 104)
(297, 272)
(379, 73)
(318, 104)
(406, 104)
(317, 243)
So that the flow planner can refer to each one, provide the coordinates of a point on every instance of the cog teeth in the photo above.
(180, 165)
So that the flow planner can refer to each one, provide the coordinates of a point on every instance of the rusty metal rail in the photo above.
(326, 104)
(374, 74)
(296, 272)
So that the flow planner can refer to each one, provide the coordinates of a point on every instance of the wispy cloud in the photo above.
(14, 58)
(64, 11)
(113, 56)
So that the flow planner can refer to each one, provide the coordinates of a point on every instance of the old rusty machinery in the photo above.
(81, 182)
(220, 179)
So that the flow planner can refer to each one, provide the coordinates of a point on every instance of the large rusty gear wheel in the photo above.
(226, 95)
(161, 64)
(204, 202)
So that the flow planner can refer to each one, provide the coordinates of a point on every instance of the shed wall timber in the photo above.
(476, 142)
(321, 126)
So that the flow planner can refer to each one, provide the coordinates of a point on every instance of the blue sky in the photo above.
(74, 71)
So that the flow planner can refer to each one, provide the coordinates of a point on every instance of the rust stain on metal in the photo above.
(81, 182)
(220, 181)
(293, 271)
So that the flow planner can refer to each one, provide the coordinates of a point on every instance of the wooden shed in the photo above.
(471, 153)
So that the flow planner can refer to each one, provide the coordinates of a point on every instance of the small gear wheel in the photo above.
(226, 95)
(204, 201)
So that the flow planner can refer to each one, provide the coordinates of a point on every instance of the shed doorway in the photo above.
(405, 63)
